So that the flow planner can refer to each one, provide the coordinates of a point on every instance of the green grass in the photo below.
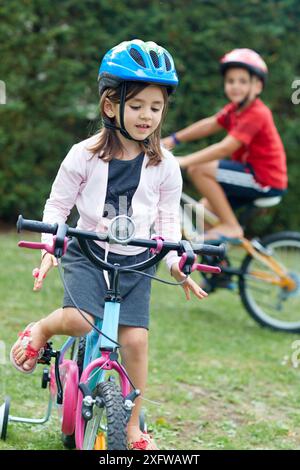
(218, 380)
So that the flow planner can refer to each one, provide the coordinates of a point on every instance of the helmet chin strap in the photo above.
(243, 102)
(109, 125)
(247, 97)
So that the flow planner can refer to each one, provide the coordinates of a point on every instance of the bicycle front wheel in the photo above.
(269, 302)
(107, 429)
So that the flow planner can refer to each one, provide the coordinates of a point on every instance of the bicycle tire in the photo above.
(68, 441)
(285, 247)
(115, 423)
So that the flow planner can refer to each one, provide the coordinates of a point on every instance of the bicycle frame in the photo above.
(107, 361)
(100, 356)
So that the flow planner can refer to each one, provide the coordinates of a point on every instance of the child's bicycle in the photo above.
(267, 269)
(96, 405)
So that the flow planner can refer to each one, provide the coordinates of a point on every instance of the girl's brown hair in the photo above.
(109, 145)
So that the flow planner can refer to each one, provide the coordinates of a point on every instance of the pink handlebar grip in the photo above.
(205, 268)
(37, 246)
(43, 246)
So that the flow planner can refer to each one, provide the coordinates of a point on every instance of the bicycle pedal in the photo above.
(47, 355)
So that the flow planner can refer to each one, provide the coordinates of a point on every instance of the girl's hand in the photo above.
(168, 143)
(47, 262)
(189, 284)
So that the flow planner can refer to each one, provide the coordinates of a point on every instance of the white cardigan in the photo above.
(82, 181)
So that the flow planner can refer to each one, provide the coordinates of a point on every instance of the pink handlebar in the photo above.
(205, 268)
(43, 246)
(37, 246)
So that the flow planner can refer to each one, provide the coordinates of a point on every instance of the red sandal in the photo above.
(24, 341)
(146, 442)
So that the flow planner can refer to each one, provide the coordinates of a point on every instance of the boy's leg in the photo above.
(203, 177)
(134, 352)
(63, 321)
(204, 201)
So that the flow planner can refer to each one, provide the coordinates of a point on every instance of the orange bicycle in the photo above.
(265, 272)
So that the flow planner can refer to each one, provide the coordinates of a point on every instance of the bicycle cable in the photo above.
(78, 309)
(180, 283)
(134, 387)
(126, 375)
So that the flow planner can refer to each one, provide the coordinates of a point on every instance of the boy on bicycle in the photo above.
(257, 165)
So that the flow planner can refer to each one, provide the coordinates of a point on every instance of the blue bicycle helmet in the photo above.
(139, 61)
(135, 61)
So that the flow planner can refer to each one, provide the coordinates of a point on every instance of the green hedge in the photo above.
(50, 52)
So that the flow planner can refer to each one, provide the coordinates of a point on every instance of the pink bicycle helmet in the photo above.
(245, 58)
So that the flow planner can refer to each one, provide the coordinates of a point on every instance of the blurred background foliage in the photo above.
(50, 52)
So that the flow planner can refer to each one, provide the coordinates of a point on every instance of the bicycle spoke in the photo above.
(256, 283)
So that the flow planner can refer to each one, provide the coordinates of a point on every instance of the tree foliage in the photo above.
(50, 53)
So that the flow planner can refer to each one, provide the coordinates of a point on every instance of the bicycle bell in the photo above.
(121, 229)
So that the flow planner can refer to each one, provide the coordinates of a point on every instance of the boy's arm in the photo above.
(195, 131)
(222, 149)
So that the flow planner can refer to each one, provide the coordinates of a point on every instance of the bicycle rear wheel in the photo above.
(268, 303)
(107, 429)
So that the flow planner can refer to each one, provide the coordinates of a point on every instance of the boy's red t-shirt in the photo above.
(262, 146)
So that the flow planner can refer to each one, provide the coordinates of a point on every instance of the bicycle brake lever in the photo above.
(186, 262)
(45, 246)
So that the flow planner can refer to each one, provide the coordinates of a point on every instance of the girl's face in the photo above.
(143, 112)
(239, 84)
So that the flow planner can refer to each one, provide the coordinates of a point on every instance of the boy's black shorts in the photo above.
(239, 183)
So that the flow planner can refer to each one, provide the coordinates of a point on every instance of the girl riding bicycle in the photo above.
(257, 167)
(120, 170)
